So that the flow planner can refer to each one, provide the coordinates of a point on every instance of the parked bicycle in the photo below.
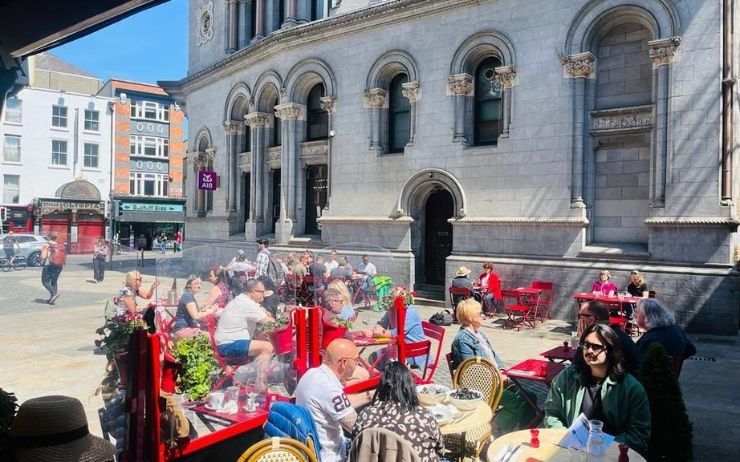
(18, 262)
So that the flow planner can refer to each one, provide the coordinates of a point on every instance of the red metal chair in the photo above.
(617, 316)
(545, 297)
(288, 292)
(459, 293)
(227, 368)
(415, 349)
(518, 314)
(448, 357)
(434, 333)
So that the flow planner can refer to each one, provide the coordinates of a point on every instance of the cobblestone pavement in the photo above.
(49, 349)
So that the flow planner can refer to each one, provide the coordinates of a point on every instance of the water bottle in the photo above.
(595, 446)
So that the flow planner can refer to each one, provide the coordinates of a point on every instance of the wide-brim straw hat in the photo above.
(54, 428)
(463, 271)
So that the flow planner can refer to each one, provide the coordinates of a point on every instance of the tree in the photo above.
(672, 432)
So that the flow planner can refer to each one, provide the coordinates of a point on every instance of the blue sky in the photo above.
(148, 46)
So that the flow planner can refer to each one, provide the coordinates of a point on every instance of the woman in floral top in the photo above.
(396, 407)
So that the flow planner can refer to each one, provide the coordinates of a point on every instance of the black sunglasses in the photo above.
(595, 347)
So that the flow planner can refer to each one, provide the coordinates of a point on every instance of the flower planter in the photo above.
(331, 332)
(170, 371)
(282, 340)
(121, 361)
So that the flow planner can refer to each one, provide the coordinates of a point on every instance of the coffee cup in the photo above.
(216, 399)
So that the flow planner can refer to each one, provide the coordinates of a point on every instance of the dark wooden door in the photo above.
(315, 196)
(437, 235)
(275, 199)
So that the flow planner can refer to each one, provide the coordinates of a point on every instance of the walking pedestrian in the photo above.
(54, 256)
(100, 257)
(162, 242)
(178, 242)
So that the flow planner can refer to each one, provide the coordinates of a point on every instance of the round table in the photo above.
(548, 451)
(469, 420)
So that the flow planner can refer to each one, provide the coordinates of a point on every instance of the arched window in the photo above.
(398, 115)
(317, 120)
(277, 134)
(488, 110)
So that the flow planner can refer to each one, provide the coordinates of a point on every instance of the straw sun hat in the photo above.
(463, 271)
(54, 428)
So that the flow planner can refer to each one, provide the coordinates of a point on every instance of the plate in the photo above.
(444, 413)
(211, 408)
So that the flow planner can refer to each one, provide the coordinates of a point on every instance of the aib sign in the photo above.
(207, 180)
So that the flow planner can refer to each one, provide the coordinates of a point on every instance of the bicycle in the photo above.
(17, 262)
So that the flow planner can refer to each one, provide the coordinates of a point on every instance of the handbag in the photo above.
(442, 318)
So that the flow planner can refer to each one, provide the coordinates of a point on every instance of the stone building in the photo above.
(553, 138)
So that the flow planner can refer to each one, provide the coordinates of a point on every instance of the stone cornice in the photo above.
(309, 34)
(366, 220)
(460, 84)
(579, 64)
(546, 221)
(692, 221)
(662, 51)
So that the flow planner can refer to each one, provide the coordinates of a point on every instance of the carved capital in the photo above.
(579, 64)
(411, 91)
(460, 84)
(289, 111)
(375, 97)
(257, 119)
(505, 76)
(233, 127)
(328, 104)
(662, 51)
(201, 159)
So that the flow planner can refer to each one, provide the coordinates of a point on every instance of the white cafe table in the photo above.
(548, 450)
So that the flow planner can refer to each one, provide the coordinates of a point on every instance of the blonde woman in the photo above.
(637, 286)
(604, 284)
(188, 312)
(470, 341)
(126, 298)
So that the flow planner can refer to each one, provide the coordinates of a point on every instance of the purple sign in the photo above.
(207, 180)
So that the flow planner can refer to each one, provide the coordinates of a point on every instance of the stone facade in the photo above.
(608, 150)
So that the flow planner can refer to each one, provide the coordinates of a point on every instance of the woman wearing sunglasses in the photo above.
(600, 388)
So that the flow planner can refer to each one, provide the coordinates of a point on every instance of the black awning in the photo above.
(152, 217)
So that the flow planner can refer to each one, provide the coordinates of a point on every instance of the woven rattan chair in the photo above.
(278, 449)
(476, 374)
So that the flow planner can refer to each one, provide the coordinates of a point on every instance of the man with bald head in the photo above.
(320, 390)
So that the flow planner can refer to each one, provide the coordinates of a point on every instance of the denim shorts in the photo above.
(238, 349)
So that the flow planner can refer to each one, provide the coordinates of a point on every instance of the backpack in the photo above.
(58, 254)
(442, 318)
(292, 421)
(275, 271)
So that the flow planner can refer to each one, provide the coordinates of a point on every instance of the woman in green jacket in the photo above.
(601, 389)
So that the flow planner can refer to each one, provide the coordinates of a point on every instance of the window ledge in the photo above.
(615, 250)
(11, 162)
(59, 129)
(59, 167)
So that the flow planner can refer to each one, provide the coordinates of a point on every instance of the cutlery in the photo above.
(513, 453)
(506, 451)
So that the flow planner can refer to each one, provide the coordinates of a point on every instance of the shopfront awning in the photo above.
(151, 217)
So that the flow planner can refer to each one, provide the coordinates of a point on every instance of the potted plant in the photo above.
(281, 334)
(114, 341)
(8, 408)
(197, 362)
(334, 328)
(387, 300)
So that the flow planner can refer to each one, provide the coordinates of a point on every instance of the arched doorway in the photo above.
(437, 235)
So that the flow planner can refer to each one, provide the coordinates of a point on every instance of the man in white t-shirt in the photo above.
(320, 391)
(237, 323)
(368, 270)
(331, 263)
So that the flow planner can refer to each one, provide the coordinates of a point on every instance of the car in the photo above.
(30, 245)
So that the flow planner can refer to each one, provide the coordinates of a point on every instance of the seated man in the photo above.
(461, 281)
(342, 271)
(596, 312)
(334, 304)
(600, 388)
(367, 270)
(237, 324)
(320, 390)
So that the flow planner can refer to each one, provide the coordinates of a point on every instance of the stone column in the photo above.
(302, 11)
(257, 121)
(579, 67)
(461, 86)
(375, 99)
(259, 24)
(232, 129)
(328, 104)
(245, 22)
(505, 77)
(661, 55)
(290, 16)
(233, 26)
(289, 113)
(412, 92)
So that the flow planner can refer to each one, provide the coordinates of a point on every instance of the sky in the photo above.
(148, 46)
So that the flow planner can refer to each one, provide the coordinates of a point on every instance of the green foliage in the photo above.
(342, 322)
(672, 432)
(387, 301)
(8, 408)
(116, 333)
(277, 324)
(197, 361)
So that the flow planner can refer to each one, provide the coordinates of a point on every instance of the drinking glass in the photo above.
(576, 454)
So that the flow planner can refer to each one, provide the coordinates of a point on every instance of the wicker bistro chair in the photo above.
(477, 374)
(278, 449)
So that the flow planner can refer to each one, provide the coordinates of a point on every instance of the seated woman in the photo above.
(660, 325)
(220, 294)
(188, 312)
(396, 407)
(604, 285)
(491, 282)
(386, 328)
(600, 388)
(126, 301)
(469, 341)
(637, 286)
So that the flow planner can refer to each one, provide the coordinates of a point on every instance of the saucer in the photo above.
(211, 408)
